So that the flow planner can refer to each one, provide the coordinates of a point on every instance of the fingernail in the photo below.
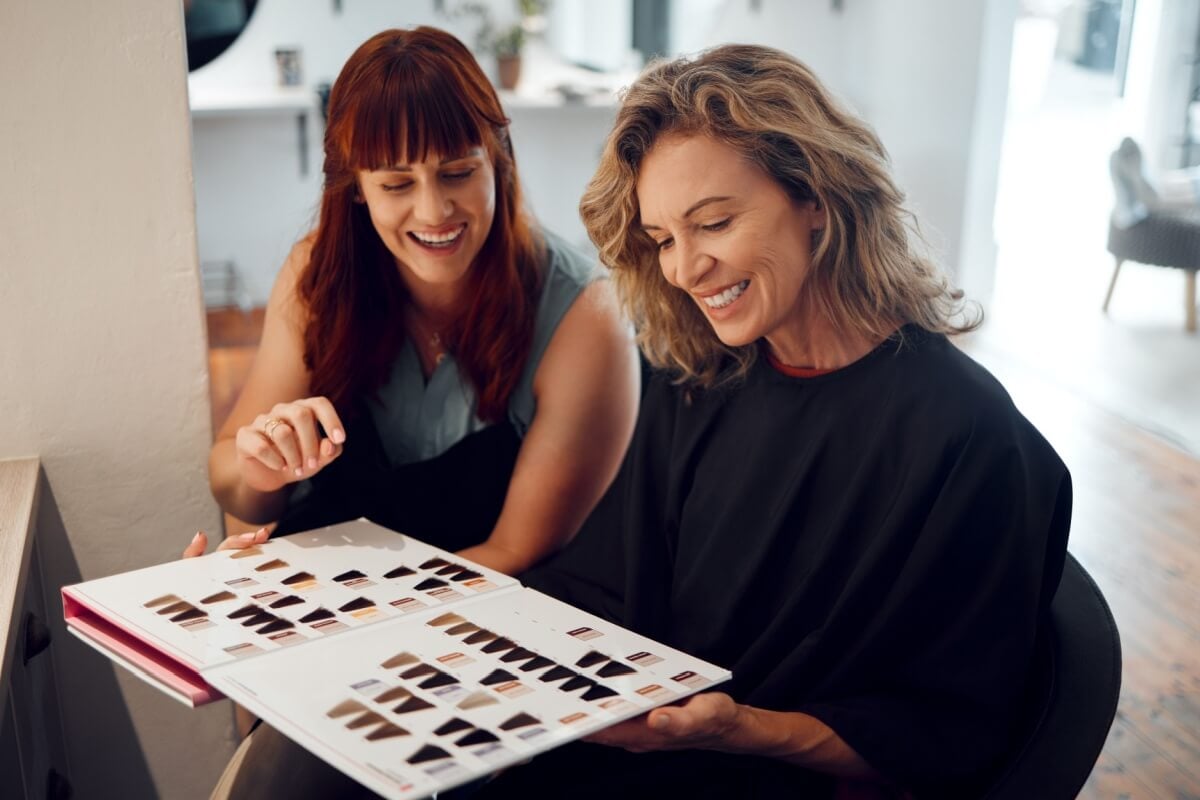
(660, 721)
(312, 463)
(338, 436)
(260, 530)
(248, 536)
(196, 538)
(299, 472)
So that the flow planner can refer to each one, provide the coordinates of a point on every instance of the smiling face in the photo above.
(730, 237)
(434, 216)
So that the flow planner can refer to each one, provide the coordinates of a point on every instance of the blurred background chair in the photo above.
(1072, 702)
(1147, 230)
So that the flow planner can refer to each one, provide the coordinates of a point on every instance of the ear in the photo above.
(818, 216)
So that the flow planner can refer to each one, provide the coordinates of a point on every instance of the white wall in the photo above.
(102, 351)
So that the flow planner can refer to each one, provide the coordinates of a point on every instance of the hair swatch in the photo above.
(345, 707)
(386, 731)
(248, 552)
(498, 676)
(399, 572)
(498, 645)
(598, 692)
(259, 618)
(519, 721)
(452, 725)
(466, 575)
(479, 736)
(349, 575)
(219, 597)
(591, 659)
(412, 704)
(557, 674)
(392, 695)
(536, 663)
(519, 654)
(427, 753)
(276, 626)
(364, 719)
(419, 671)
(462, 628)
(477, 700)
(175, 608)
(191, 613)
(448, 618)
(289, 600)
(400, 660)
(480, 636)
(431, 583)
(299, 577)
(437, 681)
(357, 604)
(158, 601)
(317, 615)
(449, 569)
(615, 668)
(576, 683)
(274, 563)
(245, 611)
(434, 563)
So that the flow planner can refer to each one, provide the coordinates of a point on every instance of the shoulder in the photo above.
(285, 294)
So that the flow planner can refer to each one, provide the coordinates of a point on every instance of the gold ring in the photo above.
(270, 425)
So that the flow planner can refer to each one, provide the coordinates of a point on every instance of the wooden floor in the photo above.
(1136, 529)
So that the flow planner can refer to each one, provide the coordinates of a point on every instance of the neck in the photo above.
(809, 340)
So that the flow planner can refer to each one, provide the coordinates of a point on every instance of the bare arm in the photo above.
(252, 465)
(587, 393)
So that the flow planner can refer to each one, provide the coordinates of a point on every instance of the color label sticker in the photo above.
(512, 689)
(689, 678)
(241, 583)
(644, 659)
(584, 633)
(407, 605)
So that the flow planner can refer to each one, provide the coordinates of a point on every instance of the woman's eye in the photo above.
(394, 187)
(664, 244)
(459, 176)
(718, 226)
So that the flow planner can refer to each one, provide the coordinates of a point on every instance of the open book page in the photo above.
(169, 622)
(444, 695)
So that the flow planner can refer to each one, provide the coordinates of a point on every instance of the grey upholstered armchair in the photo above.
(1148, 231)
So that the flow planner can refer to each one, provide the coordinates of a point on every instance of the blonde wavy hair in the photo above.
(869, 271)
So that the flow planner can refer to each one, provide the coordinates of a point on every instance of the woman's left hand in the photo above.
(709, 721)
(199, 542)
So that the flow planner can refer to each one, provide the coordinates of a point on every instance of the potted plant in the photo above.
(505, 43)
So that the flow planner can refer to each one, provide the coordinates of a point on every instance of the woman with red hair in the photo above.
(429, 358)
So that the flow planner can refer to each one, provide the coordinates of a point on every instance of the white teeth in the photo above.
(439, 239)
(726, 297)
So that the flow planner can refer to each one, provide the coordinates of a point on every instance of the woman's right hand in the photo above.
(199, 542)
(285, 445)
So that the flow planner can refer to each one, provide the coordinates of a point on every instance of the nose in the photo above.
(433, 205)
(687, 265)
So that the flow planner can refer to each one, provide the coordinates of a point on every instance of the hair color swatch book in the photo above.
(411, 684)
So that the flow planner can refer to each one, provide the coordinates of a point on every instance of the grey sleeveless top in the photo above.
(419, 420)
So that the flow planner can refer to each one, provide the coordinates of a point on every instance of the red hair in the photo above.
(405, 95)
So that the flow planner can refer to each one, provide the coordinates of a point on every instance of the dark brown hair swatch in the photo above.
(497, 676)
(591, 659)
(412, 704)
(357, 604)
(615, 668)
(364, 719)
(175, 608)
(449, 569)
(598, 692)
(519, 721)
(244, 611)
(466, 575)
(419, 671)
(392, 695)
(518, 654)
(191, 613)
(452, 725)
(479, 736)
(259, 618)
(277, 626)
(317, 615)
(437, 681)
(349, 575)
(434, 563)
(399, 572)
(299, 577)
(480, 636)
(289, 600)
(219, 597)
(557, 674)
(427, 753)
(431, 583)
(274, 563)
(534, 664)
(576, 683)
(498, 645)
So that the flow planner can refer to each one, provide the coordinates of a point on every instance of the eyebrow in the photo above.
(473, 153)
(695, 207)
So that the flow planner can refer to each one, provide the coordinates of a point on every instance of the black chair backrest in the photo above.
(1079, 696)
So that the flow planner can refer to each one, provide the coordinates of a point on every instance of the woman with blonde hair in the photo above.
(823, 494)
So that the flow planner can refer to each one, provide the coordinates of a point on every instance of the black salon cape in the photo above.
(876, 547)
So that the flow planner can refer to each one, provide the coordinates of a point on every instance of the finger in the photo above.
(328, 417)
(304, 426)
(253, 444)
(284, 439)
(197, 546)
(243, 540)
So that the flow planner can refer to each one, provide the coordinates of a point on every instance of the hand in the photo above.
(199, 542)
(285, 445)
(708, 721)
